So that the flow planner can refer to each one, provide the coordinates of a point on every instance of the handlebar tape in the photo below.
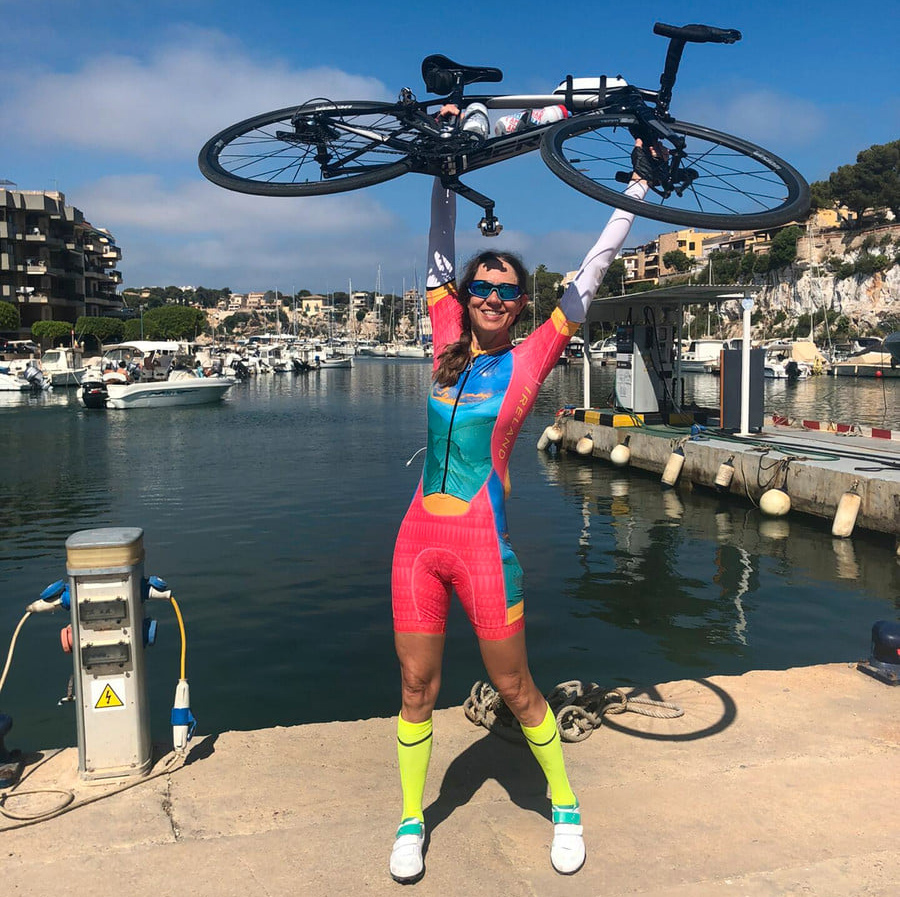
(698, 34)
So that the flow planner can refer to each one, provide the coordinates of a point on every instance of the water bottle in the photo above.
(529, 119)
(475, 121)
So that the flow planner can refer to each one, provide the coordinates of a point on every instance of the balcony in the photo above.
(34, 235)
(35, 266)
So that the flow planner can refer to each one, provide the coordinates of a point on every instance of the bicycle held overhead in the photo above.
(705, 179)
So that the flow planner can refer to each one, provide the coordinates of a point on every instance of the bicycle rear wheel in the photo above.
(317, 148)
(735, 183)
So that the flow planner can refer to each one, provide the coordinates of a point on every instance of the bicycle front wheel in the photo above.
(317, 148)
(732, 183)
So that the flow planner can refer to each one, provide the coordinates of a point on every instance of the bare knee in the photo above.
(419, 694)
(521, 695)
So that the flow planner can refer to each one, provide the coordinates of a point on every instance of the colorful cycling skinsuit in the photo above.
(454, 535)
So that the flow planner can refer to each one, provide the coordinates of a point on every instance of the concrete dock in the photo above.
(772, 783)
(817, 465)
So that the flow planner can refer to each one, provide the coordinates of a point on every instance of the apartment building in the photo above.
(54, 265)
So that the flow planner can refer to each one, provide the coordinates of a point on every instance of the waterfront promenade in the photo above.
(773, 783)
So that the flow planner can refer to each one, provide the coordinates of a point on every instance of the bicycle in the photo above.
(710, 179)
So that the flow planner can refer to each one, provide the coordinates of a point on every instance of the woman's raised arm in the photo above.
(580, 292)
(441, 237)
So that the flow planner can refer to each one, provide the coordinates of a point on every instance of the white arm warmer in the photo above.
(580, 293)
(441, 237)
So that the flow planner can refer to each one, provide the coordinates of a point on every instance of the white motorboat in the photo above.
(604, 350)
(327, 364)
(183, 387)
(63, 367)
(702, 356)
(9, 382)
(413, 350)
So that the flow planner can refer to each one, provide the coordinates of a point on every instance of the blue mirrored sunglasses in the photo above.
(507, 292)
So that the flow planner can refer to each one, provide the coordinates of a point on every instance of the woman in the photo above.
(454, 534)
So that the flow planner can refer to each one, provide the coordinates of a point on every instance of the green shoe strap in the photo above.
(411, 826)
(567, 815)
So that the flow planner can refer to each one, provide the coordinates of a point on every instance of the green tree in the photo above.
(99, 330)
(872, 183)
(611, 285)
(547, 290)
(9, 316)
(677, 260)
(132, 330)
(56, 332)
(173, 322)
(232, 322)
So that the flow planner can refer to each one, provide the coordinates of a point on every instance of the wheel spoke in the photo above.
(723, 178)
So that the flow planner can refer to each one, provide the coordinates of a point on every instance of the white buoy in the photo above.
(554, 433)
(846, 513)
(775, 502)
(725, 474)
(620, 455)
(673, 467)
(544, 442)
(585, 446)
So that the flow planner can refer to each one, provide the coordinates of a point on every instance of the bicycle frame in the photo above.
(458, 158)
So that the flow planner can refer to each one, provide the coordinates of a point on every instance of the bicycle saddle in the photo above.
(441, 73)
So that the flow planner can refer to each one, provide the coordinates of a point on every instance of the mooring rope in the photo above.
(579, 708)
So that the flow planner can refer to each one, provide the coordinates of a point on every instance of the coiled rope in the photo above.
(579, 708)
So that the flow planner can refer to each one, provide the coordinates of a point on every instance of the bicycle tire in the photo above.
(775, 192)
(251, 157)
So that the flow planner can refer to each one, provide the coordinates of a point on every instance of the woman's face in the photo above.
(491, 318)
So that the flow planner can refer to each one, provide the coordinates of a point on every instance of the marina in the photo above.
(626, 583)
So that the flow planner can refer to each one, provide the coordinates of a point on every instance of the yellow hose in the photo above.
(183, 636)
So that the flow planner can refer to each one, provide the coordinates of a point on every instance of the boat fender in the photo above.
(585, 446)
(725, 474)
(545, 441)
(554, 433)
(673, 467)
(846, 513)
(775, 502)
(620, 455)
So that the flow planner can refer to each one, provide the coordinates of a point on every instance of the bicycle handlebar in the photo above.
(698, 34)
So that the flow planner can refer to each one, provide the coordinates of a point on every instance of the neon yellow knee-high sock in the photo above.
(413, 753)
(544, 742)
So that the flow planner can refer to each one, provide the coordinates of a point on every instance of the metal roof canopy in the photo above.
(617, 308)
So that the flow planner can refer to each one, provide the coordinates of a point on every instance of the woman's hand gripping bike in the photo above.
(706, 179)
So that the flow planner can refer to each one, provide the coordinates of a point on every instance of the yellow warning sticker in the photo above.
(108, 698)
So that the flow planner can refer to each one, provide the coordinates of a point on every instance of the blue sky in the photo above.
(110, 103)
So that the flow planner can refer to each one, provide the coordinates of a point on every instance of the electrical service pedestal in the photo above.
(105, 569)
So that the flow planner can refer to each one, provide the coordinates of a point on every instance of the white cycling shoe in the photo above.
(567, 850)
(407, 865)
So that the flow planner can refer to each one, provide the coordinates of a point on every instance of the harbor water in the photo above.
(273, 515)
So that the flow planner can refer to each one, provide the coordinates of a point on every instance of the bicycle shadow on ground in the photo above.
(511, 765)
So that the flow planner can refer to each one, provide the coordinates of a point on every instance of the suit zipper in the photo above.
(466, 373)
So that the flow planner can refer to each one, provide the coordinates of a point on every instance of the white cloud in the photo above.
(164, 105)
(193, 232)
(762, 116)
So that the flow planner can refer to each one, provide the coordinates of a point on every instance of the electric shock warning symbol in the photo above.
(108, 698)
